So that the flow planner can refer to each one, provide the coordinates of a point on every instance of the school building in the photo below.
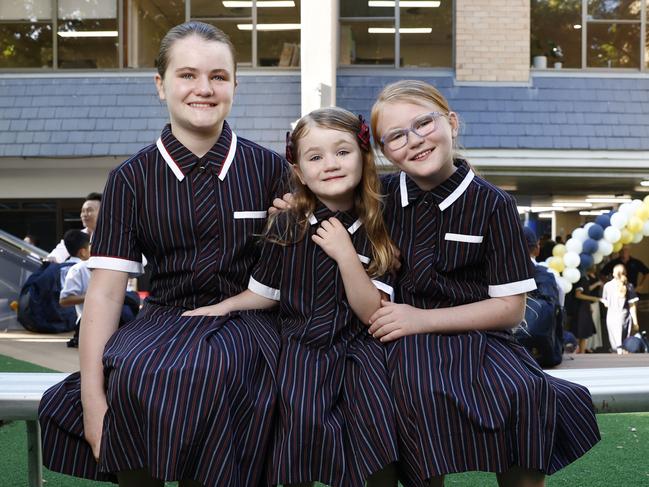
(553, 95)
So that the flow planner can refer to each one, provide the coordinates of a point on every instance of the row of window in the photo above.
(111, 34)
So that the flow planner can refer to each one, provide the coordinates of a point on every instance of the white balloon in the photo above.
(572, 275)
(580, 234)
(619, 219)
(635, 204)
(597, 258)
(565, 285)
(574, 245)
(556, 273)
(626, 209)
(612, 234)
(637, 237)
(604, 247)
(588, 225)
(645, 229)
(571, 259)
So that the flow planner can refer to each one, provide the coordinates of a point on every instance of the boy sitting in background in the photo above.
(75, 282)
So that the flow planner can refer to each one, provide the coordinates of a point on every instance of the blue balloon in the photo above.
(595, 231)
(586, 260)
(603, 220)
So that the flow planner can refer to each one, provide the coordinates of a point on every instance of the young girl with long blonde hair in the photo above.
(620, 298)
(326, 262)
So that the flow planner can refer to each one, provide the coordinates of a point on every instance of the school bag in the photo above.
(38, 304)
(541, 331)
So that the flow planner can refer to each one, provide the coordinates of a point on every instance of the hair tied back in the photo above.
(363, 134)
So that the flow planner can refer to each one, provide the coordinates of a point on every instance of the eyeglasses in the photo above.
(422, 126)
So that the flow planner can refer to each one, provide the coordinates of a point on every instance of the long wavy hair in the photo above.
(368, 203)
(619, 274)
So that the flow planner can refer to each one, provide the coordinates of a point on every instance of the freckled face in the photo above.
(427, 160)
(330, 163)
(198, 86)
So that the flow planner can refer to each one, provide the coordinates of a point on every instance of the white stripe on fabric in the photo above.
(450, 199)
(364, 259)
(240, 215)
(512, 288)
(116, 264)
(355, 226)
(230, 157)
(385, 288)
(633, 300)
(404, 189)
(461, 237)
(263, 290)
(312, 219)
(169, 160)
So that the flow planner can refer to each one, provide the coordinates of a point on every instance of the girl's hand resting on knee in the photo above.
(93, 423)
(392, 321)
(215, 310)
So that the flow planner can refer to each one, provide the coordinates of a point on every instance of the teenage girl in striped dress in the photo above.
(326, 262)
(170, 397)
(467, 396)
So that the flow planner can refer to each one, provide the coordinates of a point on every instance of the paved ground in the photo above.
(50, 351)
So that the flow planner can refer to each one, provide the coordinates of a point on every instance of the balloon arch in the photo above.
(594, 241)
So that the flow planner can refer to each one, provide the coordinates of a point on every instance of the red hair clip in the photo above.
(363, 134)
(289, 148)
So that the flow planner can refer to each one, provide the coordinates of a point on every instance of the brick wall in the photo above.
(492, 40)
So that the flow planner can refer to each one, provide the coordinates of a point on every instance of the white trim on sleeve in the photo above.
(512, 288)
(363, 258)
(389, 290)
(116, 264)
(263, 290)
(242, 215)
(633, 300)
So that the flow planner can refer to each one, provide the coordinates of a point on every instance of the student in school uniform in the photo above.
(325, 262)
(467, 396)
(89, 214)
(169, 397)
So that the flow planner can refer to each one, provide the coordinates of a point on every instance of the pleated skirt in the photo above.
(188, 398)
(479, 402)
(335, 420)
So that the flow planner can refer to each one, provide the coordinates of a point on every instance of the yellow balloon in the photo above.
(626, 237)
(642, 212)
(557, 264)
(559, 250)
(617, 246)
(646, 200)
(634, 225)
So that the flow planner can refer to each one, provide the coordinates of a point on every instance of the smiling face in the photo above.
(198, 86)
(427, 160)
(330, 164)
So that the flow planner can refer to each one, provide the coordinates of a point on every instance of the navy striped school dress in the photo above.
(472, 401)
(188, 397)
(335, 420)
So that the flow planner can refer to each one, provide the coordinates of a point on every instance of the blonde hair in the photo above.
(367, 196)
(408, 91)
(619, 274)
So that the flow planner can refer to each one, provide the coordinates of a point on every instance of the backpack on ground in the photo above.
(541, 331)
(38, 305)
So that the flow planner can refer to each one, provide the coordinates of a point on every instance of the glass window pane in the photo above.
(241, 39)
(26, 10)
(87, 9)
(556, 31)
(278, 34)
(426, 33)
(613, 45)
(366, 8)
(219, 9)
(25, 45)
(367, 42)
(614, 9)
(146, 25)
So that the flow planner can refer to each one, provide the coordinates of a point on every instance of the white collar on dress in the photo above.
(448, 201)
(352, 229)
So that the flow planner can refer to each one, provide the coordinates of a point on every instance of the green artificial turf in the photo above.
(620, 459)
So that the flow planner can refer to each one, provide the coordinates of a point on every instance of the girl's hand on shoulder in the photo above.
(214, 310)
(334, 239)
(281, 204)
(392, 321)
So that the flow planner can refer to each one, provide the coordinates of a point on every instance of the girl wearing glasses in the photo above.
(467, 396)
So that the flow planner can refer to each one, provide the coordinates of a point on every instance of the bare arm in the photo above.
(102, 308)
(362, 295)
(242, 301)
(72, 299)
(579, 294)
(634, 314)
(394, 321)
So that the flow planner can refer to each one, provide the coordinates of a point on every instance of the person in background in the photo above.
(75, 283)
(77, 246)
(89, 214)
(534, 248)
(546, 245)
(587, 292)
(620, 299)
(637, 272)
